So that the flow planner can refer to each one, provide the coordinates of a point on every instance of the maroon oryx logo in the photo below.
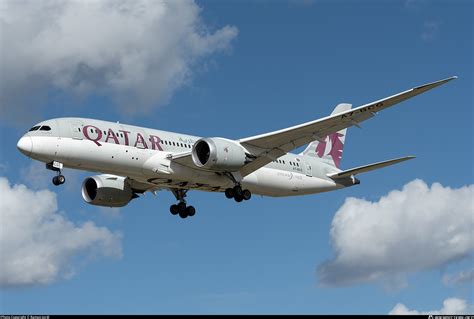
(335, 148)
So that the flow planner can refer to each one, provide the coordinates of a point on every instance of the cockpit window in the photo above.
(45, 128)
(34, 128)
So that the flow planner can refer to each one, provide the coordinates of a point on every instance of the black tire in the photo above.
(56, 181)
(190, 211)
(229, 193)
(61, 179)
(174, 209)
(181, 207)
(246, 194)
(239, 198)
(183, 214)
(237, 191)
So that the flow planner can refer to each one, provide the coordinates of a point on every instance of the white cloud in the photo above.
(36, 175)
(414, 229)
(136, 51)
(451, 306)
(38, 244)
(462, 277)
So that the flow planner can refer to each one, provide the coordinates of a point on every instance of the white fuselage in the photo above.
(142, 154)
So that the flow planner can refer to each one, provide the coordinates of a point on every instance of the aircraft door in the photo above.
(308, 168)
(76, 130)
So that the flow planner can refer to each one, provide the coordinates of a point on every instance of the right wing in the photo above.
(267, 147)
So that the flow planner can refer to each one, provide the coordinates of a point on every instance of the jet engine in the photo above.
(107, 190)
(219, 154)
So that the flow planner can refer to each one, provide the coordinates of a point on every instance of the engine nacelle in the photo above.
(107, 190)
(219, 154)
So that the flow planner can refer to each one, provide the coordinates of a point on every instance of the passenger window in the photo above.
(92, 131)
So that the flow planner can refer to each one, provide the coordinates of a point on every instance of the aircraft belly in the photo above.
(161, 171)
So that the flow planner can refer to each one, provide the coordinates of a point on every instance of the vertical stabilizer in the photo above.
(329, 148)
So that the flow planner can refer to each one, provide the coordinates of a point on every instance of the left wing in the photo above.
(267, 147)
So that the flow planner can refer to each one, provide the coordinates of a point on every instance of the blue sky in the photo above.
(258, 66)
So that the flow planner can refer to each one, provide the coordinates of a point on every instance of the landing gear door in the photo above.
(76, 130)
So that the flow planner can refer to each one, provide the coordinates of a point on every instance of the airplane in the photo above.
(133, 160)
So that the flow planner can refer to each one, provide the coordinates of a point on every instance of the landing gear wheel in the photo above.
(190, 211)
(181, 207)
(237, 191)
(174, 209)
(229, 193)
(246, 194)
(61, 179)
(56, 181)
(238, 198)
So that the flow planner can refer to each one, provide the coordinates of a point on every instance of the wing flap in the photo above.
(368, 168)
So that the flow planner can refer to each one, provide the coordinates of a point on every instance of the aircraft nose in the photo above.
(25, 145)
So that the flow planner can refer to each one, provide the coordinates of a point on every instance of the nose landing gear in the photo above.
(59, 179)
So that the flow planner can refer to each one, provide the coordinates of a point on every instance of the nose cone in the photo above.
(25, 145)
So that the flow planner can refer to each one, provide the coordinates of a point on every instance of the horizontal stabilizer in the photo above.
(368, 168)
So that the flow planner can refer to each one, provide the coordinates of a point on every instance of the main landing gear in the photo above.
(59, 179)
(238, 194)
(181, 209)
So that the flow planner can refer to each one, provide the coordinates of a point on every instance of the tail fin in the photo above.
(330, 147)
